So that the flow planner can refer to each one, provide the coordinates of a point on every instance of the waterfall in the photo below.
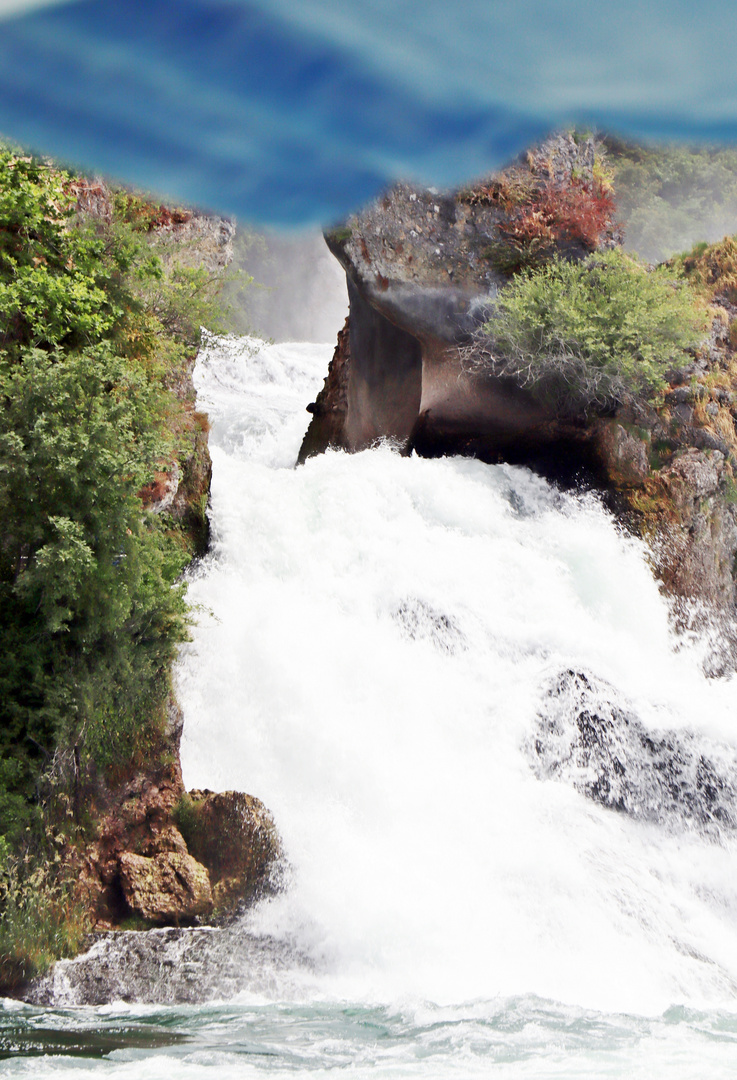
(495, 769)
(506, 790)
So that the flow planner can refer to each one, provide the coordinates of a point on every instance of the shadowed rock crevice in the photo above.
(384, 392)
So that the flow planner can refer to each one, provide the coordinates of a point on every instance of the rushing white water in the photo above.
(378, 635)
(401, 658)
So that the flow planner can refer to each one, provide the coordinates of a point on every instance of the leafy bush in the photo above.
(98, 324)
(590, 334)
(39, 919)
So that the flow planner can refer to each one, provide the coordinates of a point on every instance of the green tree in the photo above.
(669, 197)
(95, 330)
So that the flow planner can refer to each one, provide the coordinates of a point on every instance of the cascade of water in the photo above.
(457, 690)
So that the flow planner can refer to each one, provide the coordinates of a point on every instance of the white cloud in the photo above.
(10, 8)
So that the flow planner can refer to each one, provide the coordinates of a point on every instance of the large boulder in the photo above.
(421, 268)
(234, 836)
(169, 888)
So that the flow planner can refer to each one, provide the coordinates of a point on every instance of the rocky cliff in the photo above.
(157, 857)
(422, 267)
(114, 839)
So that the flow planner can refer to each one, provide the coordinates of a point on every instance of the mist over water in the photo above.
(440, 676)
(299, 290)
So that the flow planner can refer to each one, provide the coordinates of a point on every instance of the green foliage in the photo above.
(590, 334)
(39, 920)
(670, 197)
(188, 820)
(20, 818)
(97, 323)
(49, 291)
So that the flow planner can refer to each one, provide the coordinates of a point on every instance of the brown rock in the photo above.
(234, 836)
(623, 455)
(158, 842)
(167, 888)
(331, 404)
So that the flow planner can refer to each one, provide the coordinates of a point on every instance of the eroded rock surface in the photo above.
(587, 738)
(169, 888)
(171, 966)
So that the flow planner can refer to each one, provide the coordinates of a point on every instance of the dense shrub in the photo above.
(97, 325)
(590, 334)
(39, 918)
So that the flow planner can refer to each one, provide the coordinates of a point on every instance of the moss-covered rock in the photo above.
(234, 836)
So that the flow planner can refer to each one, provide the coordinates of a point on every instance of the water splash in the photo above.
(380, 639)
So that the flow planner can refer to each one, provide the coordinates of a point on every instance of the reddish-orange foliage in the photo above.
(167, 216)
(555, 215)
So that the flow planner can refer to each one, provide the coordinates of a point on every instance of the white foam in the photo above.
(376, 635)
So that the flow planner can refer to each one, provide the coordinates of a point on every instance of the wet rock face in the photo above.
(419, 621)
(624, 454)
(234, 837)
(330, 407)
(169, 888)
(169, 966)
(586, 739)
(381, 401)
(699, 549)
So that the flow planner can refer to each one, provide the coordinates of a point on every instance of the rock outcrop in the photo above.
(134, 816)
(589, 739)
(169, 857)
(235, 837)
(422, 268)
(167, 888)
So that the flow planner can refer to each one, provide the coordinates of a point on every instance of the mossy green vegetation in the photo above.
(40, 921)
(669, 197)
(712, 269)
(188, 821)
(591, 334)
(97, 327)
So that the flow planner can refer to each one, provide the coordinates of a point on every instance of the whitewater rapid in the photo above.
(375, 643)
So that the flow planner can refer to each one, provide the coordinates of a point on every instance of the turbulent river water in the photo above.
(507, 792)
